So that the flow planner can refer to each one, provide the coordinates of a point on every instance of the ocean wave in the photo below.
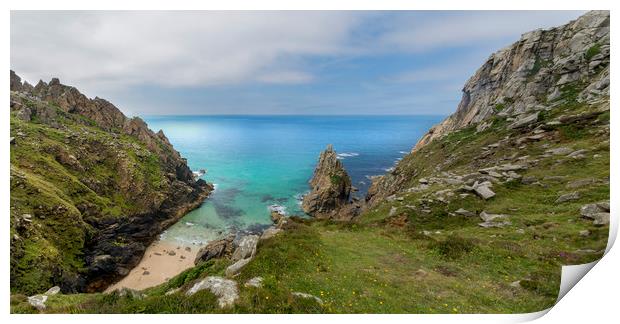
(341, 156)
(277, 208)
(199, 173)
(390, 169)
(403, 152)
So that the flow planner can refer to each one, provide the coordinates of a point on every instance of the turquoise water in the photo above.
(258, 161)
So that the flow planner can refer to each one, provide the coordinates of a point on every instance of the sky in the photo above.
(268, 62)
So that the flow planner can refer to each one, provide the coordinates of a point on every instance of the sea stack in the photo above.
(331, 189)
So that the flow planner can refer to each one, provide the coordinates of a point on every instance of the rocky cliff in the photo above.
(331, 189)
(90, 188)
(534, 72)
(544, 69)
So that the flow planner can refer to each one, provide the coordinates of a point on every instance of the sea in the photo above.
(262, 162)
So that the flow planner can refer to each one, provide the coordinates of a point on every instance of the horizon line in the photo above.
(289, 115)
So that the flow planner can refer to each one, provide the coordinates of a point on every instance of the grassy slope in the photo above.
(42, 186)
(459, 267)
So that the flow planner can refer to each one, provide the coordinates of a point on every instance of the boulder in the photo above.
(568, 197)
(464, 212)
(52, 291)
(599, 212)
(256, 282)
(559, 151)
(493, 220)
(580, 183)
(246, 248)
(525, 120)
(305, 295)
(234, 268)
(484, 192)
(224, 289)
(37, 301)
(215, 249)
(269, 233)
(491, 217)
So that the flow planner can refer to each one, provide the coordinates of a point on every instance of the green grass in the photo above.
(592, 51)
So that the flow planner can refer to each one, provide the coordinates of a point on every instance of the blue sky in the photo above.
(338, 62)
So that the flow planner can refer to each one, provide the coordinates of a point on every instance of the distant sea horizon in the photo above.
(258, 161)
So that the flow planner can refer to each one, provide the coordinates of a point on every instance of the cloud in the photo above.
(286, 77)
(220, 61)
(425, 31)
(176, 48)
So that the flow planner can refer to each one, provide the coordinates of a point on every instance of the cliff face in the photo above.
(331, 188)
(90, 188)
(531, 73)
(544, 69)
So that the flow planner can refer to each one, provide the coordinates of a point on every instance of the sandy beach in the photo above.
(162, 261)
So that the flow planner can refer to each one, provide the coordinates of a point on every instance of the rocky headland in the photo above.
(90, 188)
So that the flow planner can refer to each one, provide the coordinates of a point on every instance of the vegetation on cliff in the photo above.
(89, 188)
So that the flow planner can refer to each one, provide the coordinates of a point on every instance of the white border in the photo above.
(593, 300)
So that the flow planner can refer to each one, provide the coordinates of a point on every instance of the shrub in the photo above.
(592, 51)
(454, 247)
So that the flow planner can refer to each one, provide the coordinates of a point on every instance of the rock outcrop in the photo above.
(116, 186)
(225, 290)
(542, 67)
(520, 84)
(331, 189)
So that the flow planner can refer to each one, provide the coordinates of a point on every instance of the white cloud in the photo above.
(286, 77)
(174, 48)
(419, 32)
(103, 51)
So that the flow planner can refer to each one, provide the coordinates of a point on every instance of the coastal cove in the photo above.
(259, 161)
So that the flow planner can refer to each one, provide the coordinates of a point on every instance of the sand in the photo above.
(158, 265)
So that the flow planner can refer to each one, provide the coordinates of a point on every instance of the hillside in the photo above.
(478, 218)
(90, 188)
